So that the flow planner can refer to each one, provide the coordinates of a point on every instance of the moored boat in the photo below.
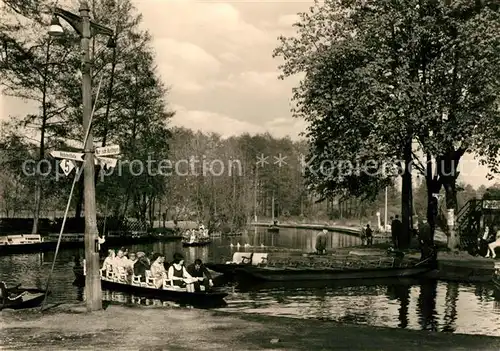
(307, 267)
(273, 229)
(28, 243)
(197, 299)
(20, 298)
(290, 274)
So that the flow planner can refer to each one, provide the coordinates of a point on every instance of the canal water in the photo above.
(422, 305)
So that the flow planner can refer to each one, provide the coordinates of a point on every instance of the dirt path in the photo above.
(155, 328)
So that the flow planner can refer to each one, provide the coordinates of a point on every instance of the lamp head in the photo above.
(55, 29)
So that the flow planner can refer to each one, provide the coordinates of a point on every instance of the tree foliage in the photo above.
(379, 74)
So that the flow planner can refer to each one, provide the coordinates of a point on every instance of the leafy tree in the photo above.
(31, 70)
(380, 74)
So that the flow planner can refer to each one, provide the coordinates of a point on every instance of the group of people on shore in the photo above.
(196, 275)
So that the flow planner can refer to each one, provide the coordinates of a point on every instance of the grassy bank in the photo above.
(154, 328)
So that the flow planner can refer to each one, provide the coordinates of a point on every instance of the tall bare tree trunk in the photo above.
(406, 196)
(38, 183)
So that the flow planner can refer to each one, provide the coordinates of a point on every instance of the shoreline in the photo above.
(333, 228)
(68, 327)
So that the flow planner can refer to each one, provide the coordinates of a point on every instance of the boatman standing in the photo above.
(321, 242)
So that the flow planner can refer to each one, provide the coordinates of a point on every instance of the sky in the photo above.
(217, 58)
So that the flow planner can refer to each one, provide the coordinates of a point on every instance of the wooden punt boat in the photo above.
(28, 243)
(293, 274)
(197, 299)
(20, 298)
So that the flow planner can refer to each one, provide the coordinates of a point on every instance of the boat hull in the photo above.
(196, 243)
(295, 275)
(36, 247)
(198, 299)
(32, 298)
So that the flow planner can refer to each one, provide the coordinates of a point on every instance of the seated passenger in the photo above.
(177, 273)
(157, 269)
(130, 261)
(109, 261)
(198, 270)
(132, 258)
(120, 260)
(141, 266)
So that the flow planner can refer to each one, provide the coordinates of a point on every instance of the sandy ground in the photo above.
(163, 328)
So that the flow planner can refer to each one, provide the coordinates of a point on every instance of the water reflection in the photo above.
(449, 307)
(426, 306)
(402, 304)
(127, 299)
(401, 293)
(450, 314)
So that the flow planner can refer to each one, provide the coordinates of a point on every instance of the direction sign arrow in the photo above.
(107, 162)
(108, 150)
(77, 156)
(67, 166)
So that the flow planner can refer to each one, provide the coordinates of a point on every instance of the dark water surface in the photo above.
(429, 305)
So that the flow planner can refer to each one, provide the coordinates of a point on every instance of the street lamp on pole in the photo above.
(86, 29)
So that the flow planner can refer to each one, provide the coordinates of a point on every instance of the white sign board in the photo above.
(67, 166)
(107, 150)
(77, 156)
(451, 217)
(107, 162)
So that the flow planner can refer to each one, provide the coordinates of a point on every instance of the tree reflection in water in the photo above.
(401, 292)
(450, 313)
(426, 305)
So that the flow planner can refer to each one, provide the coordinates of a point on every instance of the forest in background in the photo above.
(238, 196)
(132, 110)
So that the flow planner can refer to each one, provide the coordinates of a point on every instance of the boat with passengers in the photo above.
(120, 281)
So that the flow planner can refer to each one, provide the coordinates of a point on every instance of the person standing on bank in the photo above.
(321, 242)
(369, 235)
(396, 227)
(425, 239)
